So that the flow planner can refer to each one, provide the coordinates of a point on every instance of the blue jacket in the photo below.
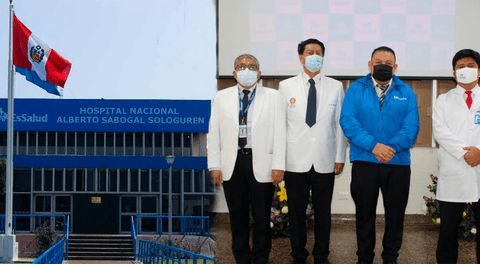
(364, 125)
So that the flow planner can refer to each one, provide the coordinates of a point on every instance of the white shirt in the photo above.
(249, 113)
(377, 88)
(306, 84)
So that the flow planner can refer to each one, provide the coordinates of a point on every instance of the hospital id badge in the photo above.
(242, 131)
(477, 117)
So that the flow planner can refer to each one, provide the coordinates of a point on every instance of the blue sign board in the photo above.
(108, 115)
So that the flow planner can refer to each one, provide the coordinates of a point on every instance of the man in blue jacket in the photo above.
(380, 118)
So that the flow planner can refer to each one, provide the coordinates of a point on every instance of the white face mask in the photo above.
(247, 77)
(313, 63)
(467, 75)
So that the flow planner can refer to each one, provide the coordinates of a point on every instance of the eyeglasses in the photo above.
(251, 67)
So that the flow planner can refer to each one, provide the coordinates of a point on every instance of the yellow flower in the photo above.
(285, 210)
(464, 214)
(281, 184)
(474, 231)
(469, 203)
(277, 213)
(283, 194)
(438, 220)
(271, 225)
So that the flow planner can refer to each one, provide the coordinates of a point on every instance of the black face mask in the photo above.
(382, 72)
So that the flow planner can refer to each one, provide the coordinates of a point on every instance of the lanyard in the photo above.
(244, 113)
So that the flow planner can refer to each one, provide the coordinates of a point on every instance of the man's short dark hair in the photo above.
(466, 53)
(386, 49)
(301, 45)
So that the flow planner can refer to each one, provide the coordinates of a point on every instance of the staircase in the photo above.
(100, 247)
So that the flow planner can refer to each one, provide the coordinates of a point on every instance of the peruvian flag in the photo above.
(37, 61)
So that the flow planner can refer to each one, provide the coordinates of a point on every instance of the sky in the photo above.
(119, 49)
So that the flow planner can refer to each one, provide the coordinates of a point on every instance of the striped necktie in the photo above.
(384, 89)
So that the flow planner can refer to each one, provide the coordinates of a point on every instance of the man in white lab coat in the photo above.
(310, 136)
(456, 127)
(240, 155)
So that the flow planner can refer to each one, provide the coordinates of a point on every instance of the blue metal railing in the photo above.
(191, 225)
(151, 253)
(15, 216)
(67, 240)
(134, 237)
(53, 255)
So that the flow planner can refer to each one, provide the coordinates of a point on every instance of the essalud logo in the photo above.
(3, 115)
(37, 53)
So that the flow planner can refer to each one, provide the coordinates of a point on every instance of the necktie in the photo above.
(469, 100)
(311, 116)
(242, 142)
(384, 89)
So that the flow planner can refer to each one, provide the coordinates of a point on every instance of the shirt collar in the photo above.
(316, 78)
(475, 89)
(375, 82)
(240, 90)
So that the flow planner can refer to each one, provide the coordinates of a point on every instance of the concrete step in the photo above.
(100, 247)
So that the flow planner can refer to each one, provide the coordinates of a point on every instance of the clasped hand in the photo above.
(383, 153)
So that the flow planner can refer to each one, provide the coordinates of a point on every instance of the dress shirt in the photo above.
(475, 90)
(306, 84)
(249, 113)
(378, 90)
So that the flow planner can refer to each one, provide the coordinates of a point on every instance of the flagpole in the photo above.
(10, 247)
(9, 171)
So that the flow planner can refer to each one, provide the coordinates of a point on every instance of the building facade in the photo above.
(103, 161)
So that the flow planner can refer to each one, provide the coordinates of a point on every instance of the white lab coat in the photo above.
(223, 133)
(454, 128)
(322, 145)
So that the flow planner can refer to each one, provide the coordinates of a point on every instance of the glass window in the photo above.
(43, 204)
(21, 203)
(90, 180)
(90, 143)
(158, 144)
(134, 180)
(32, 143)
(80, 180)
(70, 142)
(155, 180)
(123, 180)
(149, 205)
(58, 180)
(69, 180)
(51, 139)
(187, 181)
(102, 180)
(176, 176)
(37, 180)
(48, 179)
(21, 180)
(42, 141)
(112, 178)
(3, 138)
(100, 139)
(198, 177)
(164, 181)
(109, 144)
(138, 139)
(80, 143)
(144, 180)
(63, 204)
(61, 139)
(22, 138)
(129, 204)
(119, 139)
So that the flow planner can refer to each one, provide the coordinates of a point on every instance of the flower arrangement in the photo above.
(279, 220)
(467, 227)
